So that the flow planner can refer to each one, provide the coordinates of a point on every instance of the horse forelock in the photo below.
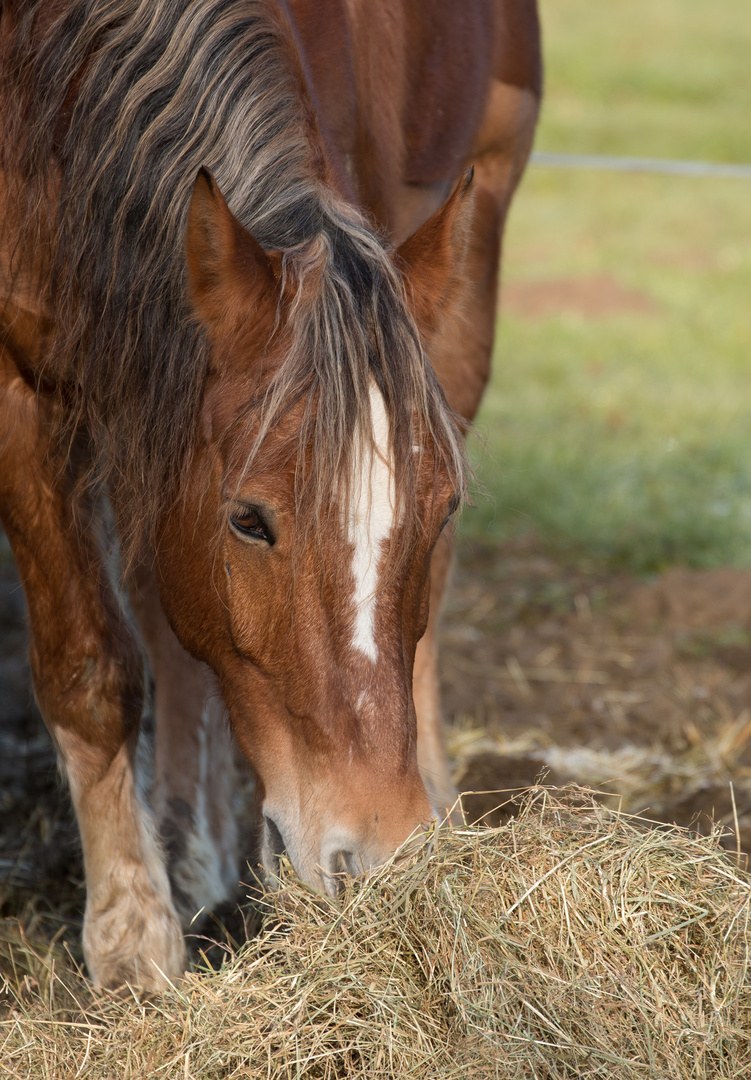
(118, 106)
(351, 332)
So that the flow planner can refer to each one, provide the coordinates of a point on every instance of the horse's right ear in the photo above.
(228, 270)
(433, 258)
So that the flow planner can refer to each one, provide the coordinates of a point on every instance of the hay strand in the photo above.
(571, 942)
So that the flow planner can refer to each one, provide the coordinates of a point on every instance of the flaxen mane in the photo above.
(128, 99)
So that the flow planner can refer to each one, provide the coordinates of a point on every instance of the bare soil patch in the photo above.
(591, 297)
(642, 688)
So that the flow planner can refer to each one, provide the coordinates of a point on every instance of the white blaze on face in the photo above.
(370, 519)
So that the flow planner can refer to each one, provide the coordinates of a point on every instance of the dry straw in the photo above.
(571, 942)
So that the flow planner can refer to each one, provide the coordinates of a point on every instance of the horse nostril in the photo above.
(353, 862)
(274, 838)
(273, 846)
(342, 864)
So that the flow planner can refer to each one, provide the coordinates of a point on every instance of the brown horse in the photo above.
(240, 392)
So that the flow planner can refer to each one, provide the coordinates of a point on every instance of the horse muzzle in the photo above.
(325, 857)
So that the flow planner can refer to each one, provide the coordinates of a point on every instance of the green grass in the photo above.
(627, 437)
(647, 77)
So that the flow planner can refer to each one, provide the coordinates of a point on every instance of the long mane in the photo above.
(114, 107)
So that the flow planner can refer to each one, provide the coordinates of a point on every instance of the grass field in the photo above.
(623, 433)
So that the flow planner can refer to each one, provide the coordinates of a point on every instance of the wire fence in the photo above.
(641, 165)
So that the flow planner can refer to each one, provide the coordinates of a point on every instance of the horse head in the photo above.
(298, 563)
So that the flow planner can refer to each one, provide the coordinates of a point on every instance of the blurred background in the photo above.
(601, 616)
(617, 422)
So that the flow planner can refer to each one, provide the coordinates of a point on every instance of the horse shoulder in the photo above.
(474, 87)
(324, 40)
(503, 137)
(407, 94)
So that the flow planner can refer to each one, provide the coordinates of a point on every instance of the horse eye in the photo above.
(453, 507)
(247, 521)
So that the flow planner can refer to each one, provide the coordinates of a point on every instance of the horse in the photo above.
(248, 290)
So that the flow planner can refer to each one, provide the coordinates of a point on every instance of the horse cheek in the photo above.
(191, 583)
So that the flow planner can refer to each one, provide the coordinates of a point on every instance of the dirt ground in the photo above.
(641, 688)
(590, 297)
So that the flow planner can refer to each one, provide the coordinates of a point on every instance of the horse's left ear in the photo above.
(432, 259)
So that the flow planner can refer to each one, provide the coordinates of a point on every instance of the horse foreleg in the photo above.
(461, 354)
(431, 749)
(194, 774)
(88, 680)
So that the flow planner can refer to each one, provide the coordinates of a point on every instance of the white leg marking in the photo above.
(207, 874)
(370, 520)
(131, 932)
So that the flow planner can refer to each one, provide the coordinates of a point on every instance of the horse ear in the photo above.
(227, 268)
(432, 259)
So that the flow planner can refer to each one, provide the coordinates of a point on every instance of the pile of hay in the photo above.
(571, 942)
